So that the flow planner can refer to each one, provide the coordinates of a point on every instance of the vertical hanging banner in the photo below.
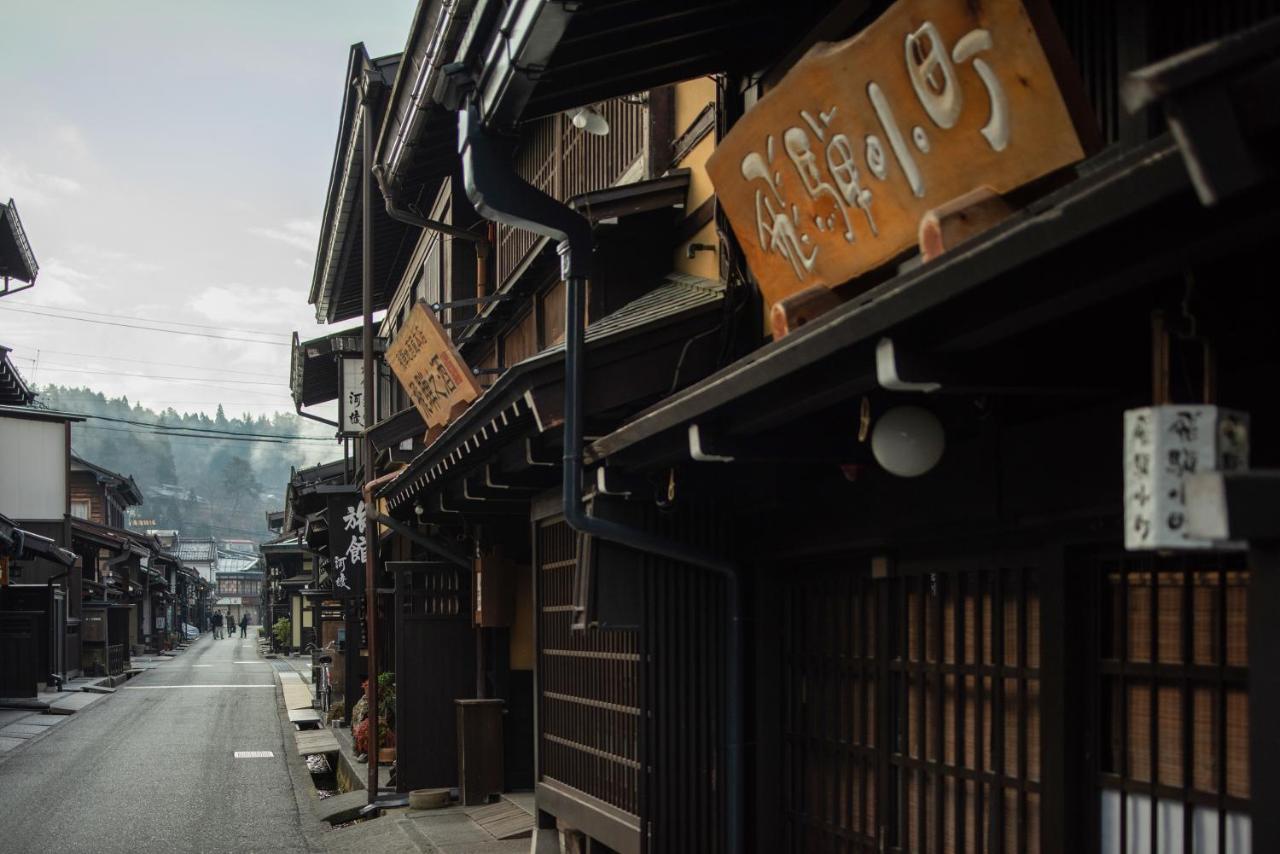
(351, 397)
(347, 543)
(430, 369)
(829, 175)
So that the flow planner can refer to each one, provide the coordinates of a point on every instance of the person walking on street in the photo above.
(217, 624)
(231, 624)
(244, 624)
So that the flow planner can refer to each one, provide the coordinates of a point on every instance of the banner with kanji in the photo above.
(348, 541)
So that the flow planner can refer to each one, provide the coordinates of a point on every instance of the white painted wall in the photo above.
(33, 468)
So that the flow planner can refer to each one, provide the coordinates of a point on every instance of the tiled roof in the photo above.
(228, 562)
(13, 388)
(189, 550)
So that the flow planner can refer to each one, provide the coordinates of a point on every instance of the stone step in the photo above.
(312, 741)
(341, 808)
(69, 704)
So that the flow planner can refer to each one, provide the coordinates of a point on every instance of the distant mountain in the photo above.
(207, 486)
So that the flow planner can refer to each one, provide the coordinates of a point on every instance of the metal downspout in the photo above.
(408, 217)
(498, 193)
(298, 410)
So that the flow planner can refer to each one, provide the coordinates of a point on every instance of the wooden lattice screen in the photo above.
(912, 710)
(564, 162)
(1174, 716)
(588, 687)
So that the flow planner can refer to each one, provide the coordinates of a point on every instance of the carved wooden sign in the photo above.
(830, 173)
(425, 362)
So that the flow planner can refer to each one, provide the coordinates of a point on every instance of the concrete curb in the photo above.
(310, 825)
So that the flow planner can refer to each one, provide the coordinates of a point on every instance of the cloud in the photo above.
(298, 233)
(60, 284)
(29, 187)
(101, 258)
(72, 141)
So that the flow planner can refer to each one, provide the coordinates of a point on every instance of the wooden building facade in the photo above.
(751, 635)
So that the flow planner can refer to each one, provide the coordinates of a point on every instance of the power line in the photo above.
(200, 436)
(71, 370)
(212, 430)
(275, 398)
(146, 328)
(148, 362)
(149, 319)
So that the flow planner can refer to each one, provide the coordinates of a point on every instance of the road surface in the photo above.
(152, 767)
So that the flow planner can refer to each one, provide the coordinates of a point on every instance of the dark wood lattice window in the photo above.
(964, 711)
(831, 674)
(1174, 707)
(588, 686)
(912, 710)
(439, 592)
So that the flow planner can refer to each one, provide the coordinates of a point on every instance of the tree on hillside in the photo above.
(238, 481)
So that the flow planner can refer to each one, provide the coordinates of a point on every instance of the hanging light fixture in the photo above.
(590, 120)
(908, 441)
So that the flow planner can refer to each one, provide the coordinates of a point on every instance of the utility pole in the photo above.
(371, 535)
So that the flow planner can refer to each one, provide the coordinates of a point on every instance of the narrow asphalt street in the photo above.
(153, 766)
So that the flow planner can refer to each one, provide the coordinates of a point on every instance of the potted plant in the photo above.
(386, 717)
(283, 631)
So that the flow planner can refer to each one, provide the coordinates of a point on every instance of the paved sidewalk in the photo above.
(453, 830)
(447, 831)
(28, 719)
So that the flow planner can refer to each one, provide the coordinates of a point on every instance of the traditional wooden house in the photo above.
(39, 627)
(845, 592)
(239, 589)
(291, 591)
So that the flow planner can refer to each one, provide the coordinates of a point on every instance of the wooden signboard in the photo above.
(830, 173)
(434, 376)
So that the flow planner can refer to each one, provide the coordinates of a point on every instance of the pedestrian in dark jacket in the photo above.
(244, 624)
(217, 624)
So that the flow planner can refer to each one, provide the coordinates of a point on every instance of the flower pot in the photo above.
(386, 755)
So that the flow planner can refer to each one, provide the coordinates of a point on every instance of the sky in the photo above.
(169, 161)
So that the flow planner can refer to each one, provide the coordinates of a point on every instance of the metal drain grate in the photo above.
(254, 754)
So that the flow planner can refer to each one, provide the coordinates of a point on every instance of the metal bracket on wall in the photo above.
(889, 372)
(485, 300)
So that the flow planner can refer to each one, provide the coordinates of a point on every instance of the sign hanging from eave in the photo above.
(430, 369)
(828, 176)
(351, 397)
(348, 541)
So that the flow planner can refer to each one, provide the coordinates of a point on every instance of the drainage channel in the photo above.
(323, 776)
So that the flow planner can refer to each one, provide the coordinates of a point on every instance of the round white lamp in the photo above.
(908, 441)
(589, 119)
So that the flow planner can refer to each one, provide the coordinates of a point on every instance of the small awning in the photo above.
(14, 390)
(316, 532)
(17, 261)
(602, 208)
(300, 497)
(633, 355)
(116, 539)
(391, 431)
(314, 369)
(22, 544)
